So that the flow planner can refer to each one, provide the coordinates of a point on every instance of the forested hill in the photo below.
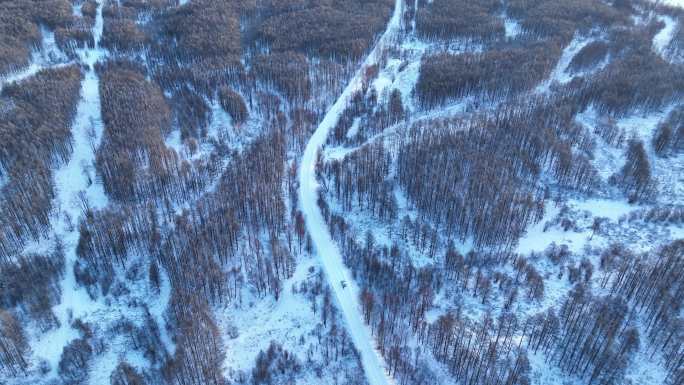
(315, 192)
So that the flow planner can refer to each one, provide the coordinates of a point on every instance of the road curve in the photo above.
(333, 264)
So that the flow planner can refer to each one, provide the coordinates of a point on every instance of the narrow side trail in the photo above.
(72, 184)
(333, 263)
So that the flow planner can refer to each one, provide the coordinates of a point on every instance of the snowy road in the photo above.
(333, 264)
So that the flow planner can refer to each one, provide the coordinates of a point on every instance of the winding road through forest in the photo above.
(333, 263)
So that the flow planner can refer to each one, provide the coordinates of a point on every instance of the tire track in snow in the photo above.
(333, 264)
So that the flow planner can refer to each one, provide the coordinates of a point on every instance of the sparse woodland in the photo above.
(589, 56)
(459, 184)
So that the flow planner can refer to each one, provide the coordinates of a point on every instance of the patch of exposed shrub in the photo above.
(669, 137)
(636, 80)
(562, 18)
(342, 28)
(32, 284)
(136, 117)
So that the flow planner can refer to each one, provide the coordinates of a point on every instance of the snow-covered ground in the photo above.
(582, 241)
(263, 321)
(252, 323)
(662, 39)
(673, 3)
(70, 180)
(609, 159)
(75, 182)
(47, 56)
(288, 320)
(512, 27)
(560, 73)
(346, 291)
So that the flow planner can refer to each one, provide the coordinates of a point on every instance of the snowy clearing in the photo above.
(662, 39)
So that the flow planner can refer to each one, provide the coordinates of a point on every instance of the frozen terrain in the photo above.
(251, 322)
(71, 180)
(607, 206)
(674, 3)
(47, 56)
(338, 275)
(662, 39)
(77, 188)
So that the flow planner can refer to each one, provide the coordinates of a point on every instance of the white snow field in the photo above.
(333, 264)
(70, 180)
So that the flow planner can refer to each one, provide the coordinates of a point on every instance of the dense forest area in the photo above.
(495, 73)
(22, 24)
(502, 181)
(36, 133)
(444, 19)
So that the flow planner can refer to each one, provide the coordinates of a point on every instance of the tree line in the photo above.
(561, 19)
(461, 20)
(493, 74)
